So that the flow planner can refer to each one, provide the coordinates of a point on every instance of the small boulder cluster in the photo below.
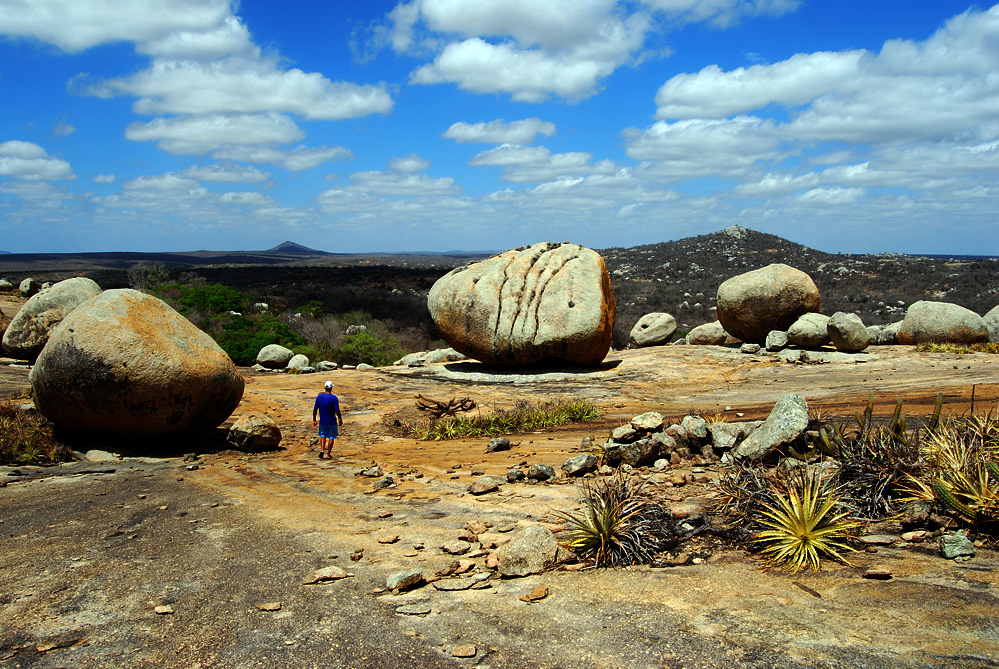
(777, 306)
(275, 357)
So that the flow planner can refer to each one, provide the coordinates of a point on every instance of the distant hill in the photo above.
(291, 248)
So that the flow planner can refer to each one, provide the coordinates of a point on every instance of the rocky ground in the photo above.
(223, 543)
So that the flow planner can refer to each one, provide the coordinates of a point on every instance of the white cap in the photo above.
(329, 385)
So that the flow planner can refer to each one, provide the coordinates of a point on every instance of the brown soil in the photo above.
(85, 558)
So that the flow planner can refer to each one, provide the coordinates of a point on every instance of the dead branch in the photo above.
(440, 409)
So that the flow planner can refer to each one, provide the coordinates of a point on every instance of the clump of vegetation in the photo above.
(930, 347)
(26, 437)
(526, 417)
(805, 525)
(617, 526)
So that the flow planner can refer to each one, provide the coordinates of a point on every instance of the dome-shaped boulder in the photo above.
(941, 323)
(124, 363)
(526, 305)
(750, 305)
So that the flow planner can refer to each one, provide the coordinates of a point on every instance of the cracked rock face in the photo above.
(547, 301)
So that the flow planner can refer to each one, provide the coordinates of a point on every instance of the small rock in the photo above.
(956, 545)
(269, 606)
(164, 610)
(538, 472)
(580, 464)
(421, 609)
(457, 547)
(331, 573)
(498, 444)
(402, 580)
(383, 483)
(916, 536)
(476, 527)
(464, 650)
(878, 574)
(485, 484)
(535, 595)
(879, 539)
(373, 472)
(388, 539)
(514, 475)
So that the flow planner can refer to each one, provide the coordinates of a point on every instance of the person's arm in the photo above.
(339, 416)
(314, 410)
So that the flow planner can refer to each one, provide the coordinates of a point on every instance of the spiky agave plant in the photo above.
(806, 527)
(616, 526)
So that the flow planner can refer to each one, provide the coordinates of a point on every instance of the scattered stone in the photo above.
(530, 551)
(624, 433)
(956, 545)
(749, 349)
(786, 423)
(269, 606)
(464, 650)
(485, 485)
(331, 573)
(456, 547)
(402, 580)
(580, 464)
(878, 574)
(164, 610)
(382, 483)
(535, 595)
(476, 527)
(776, 340)
(254, 432)
(916, 536)
(648, 422)
(771, 298)
(655, 329)
(420, 609)
(522, 306)
(388, 539)
(373, 472)
(879, 539)
(539, 472)
(498, 444)
(515, 475)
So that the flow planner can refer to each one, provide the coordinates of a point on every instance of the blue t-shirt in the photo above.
(328, 405)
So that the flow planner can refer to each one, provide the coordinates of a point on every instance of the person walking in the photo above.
(327, 408)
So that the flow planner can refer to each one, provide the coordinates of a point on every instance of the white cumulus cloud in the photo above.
(104, 179)
(227, 173)
(249, 199)
(201, 134)
(499, 131)
(297, 159)
(388, 183)
(410, 163)
(27, 160)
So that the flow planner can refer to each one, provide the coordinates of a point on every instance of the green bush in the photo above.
(25, 437)
(242, 337)
(313, 308)
(366, 348)
(212, 298)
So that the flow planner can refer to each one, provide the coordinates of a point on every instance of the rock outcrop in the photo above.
(653, 329)
(786, 424)
(254, 432)
(941, 323)
(274, 356)
(530, 551)
(708, 334)
(547, 301)
(27, 333)
(124, 363)
(771, 298)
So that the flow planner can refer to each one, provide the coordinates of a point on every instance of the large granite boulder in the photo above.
(809, 331)
(771, 298)
(653, 329)
(29, 287)
(547, 301)
(125, 364)
(941, 323)
(992, 324)
(848, 332)
(26, 335)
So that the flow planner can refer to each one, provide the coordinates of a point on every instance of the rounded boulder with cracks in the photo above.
(542, 302)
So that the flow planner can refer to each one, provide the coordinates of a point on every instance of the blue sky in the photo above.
(430, 125)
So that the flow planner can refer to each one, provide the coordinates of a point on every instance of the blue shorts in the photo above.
(328, 430)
